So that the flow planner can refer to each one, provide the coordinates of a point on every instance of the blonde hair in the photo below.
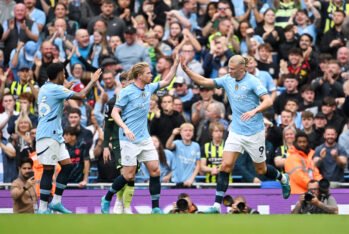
(239, 59)
(136, 70)
(189, 125)
(23, 117)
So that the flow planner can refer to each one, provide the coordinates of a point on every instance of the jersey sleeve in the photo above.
(258, 87)
(122, 99)
(219, 82)
(153, 87)
(60, 92)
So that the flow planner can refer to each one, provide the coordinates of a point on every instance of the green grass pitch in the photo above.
(177, 224)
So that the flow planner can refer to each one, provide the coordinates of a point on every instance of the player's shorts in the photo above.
(254, 145)
(50, 151)
(143, 152)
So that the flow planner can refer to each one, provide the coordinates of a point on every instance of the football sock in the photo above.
(117, 185)
(273, 174)
(128, 194)
(155, 189)
(222, 186)
(62, 180)
(45, 188)
(120, 194)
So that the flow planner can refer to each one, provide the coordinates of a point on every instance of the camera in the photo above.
(228, 201)
(308, 196)
(324, 188)
(182, 205)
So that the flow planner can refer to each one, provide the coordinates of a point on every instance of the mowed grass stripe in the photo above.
(163, 224)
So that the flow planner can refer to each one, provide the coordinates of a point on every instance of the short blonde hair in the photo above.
(187, 125)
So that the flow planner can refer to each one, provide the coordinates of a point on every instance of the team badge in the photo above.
(236, 86)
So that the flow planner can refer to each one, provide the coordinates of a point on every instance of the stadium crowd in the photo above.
(298, 49)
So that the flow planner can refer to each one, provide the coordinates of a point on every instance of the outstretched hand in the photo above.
(96, 75)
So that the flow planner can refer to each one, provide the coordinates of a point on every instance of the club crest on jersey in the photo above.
(236, 87)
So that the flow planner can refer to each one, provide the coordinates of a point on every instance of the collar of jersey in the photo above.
(137, 87)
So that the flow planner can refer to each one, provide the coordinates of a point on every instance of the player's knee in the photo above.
(154, 172)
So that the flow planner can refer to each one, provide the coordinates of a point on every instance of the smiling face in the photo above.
(187, 132)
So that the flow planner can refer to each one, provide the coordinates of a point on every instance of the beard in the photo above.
(306, 150)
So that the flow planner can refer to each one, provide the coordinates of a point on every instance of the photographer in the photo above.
(184, 205)
(23, 189)
(238, 205)
(317, 200)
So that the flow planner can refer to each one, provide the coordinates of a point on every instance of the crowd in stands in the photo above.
(298, 49)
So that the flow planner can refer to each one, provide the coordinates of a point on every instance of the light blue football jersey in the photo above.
(185, 158)
(135, 103)
(243, 96)
(50, 107)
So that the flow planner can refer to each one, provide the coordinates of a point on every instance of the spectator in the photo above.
(188, 11)
(178, 106)
(130, 52)
(284, 10)
(308, 128)
(160, 9)
(331, 82)
(343, 60)
(309, 53)
(22, 56)
(300, 166)
(213, 113)
(23, 189)
(303, 22)
(6, 9)
(265, 60)
(282, 152)
(35, 14)
(8, 155)
(26, 104)
(17, 29)
(116, 26)
(330, 157)
(292, 106)
(186, 156)
(40, 65)
(89, 9)
(83, 46)
(8, 102)
(320, 122)
(329, 109)
(218, 56)
(319, 203)
(25, 84)
(188, 52)
(308, 102)
(163, 126)
(333, 39)
(212, 152)
(298, 66)
(74, 120)
(109, 83)
(290, 83)
(163, 67)
(124, 11)
(270, 33)
(186, 94)
(291, 41)
(78, 152)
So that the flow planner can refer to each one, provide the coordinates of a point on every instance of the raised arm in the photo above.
(167, 79)
(198, 79)
(82, 94)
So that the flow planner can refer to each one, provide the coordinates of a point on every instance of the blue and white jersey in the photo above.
(135, 103)
(185, 158)
(266, 79)
(243, 96)
(50, 107)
